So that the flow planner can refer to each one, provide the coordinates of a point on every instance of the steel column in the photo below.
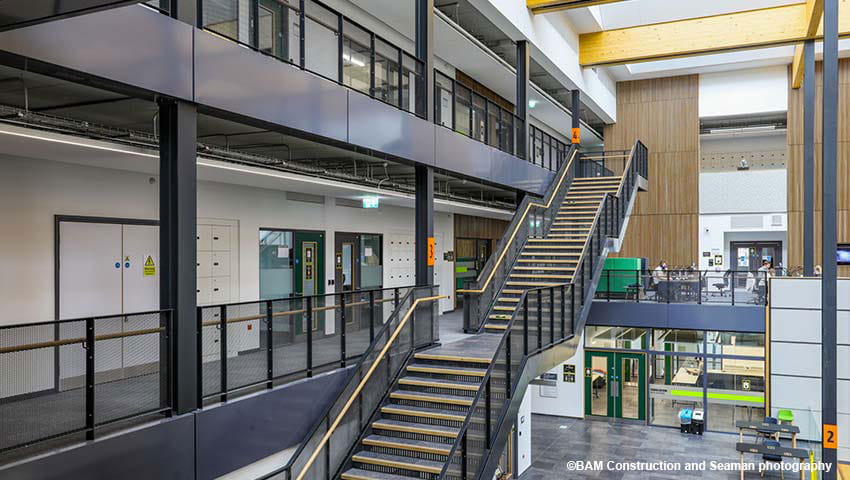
(178, 244)
(829, 174)
(424, 19)
(522, 82)
(809, 82)
(424, 224)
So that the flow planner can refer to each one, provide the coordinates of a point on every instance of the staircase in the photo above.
(412, 410)
(552, 260)
(421, 418)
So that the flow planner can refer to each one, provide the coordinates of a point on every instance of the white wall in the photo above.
(795, 355)
(716, 235)
(33, 191)
(739, 92)
(570, 399)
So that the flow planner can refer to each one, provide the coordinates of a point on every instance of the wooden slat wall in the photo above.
(664, 114)
(795, 166)
(479, 227)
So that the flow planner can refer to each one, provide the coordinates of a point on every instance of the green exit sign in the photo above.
(371, 202)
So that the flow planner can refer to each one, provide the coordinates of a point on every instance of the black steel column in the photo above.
(809, 83)
(522, 81)
(829, 176)
(424, 225)
(177, 243)
(425, 51)
(575, 112)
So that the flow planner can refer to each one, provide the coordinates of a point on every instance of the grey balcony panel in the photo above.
(507, 169)
(233, 78)
(132, 45)
(461, 154)
(376, 125)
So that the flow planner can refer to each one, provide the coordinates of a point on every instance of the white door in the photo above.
(90, 266)
(141, 273)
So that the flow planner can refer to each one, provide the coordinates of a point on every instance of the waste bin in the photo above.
(698, 421)
(685, 417)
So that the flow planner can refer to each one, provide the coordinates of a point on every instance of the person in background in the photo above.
(818, 271)
(660, 272)
(763, 273)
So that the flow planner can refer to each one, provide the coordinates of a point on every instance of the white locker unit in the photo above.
(217, 274)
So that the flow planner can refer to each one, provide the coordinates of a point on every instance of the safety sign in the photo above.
(149, 269)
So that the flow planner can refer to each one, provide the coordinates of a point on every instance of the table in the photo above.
(761, 449)
(771, 429)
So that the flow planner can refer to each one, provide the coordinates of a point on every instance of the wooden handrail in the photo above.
(71, 341)
(518, 225)
(362, 383)
(249, 318)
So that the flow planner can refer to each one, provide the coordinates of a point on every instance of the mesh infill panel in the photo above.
(33, 404)
(247, 362)
(211, 350)
(127, 368)
(289, 341)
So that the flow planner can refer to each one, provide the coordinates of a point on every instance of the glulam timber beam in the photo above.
(814, 14)
(545, 6)
(761, 28)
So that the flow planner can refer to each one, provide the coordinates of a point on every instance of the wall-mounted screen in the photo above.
(843, 254)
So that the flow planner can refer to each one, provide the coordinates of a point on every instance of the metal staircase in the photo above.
(413, 410)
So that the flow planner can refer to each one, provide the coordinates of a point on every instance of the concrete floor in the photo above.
(558, 440)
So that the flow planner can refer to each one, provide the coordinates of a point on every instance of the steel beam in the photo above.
(178, 245)
(424, 18)
(809, 160)
(522, 83)
(829, 175)
(424, 224)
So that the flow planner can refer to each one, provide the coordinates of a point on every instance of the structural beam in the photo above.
(766, 27)
(814, 14)
(545, 6)
(829, 176)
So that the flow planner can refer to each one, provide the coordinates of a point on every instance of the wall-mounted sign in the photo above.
(706, 254)
(576, 135)
(449, 256)
(339, 261)
(432, 250)
(371, 202)
(149, 269)
(718, 260)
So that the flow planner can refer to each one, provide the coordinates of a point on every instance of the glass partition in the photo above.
(371, 270)
(463, 106)
(386, 72)
(675, 383)
(276, 268)
(443, 94)
(280, 29)
(321, 31)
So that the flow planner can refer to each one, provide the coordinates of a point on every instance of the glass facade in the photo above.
(722, 373)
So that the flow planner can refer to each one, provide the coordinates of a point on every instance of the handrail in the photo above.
(71, 341)
(288, 313)
(362, 383)
(627, 166)
(294, 298)
(519, 224)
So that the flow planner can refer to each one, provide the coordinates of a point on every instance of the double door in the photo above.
(358, 266)
(615, 385)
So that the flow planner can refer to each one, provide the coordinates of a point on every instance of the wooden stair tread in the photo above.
(407, 444)
(411, 427)
(407, 463)
(360, 474)
(447, 370)
(439, 383)
(451, 358)
(424, 412)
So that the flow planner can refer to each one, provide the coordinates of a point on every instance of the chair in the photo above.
(785, 416)
(772, 458)
(771, 421)
(722, 287)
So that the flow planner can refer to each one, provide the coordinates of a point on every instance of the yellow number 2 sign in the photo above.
(830, 436)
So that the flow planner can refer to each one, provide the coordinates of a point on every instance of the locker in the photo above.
(204, 237)
(205, 264)
(220, 289)
(220, 238)
(204, 291)
(220, 264)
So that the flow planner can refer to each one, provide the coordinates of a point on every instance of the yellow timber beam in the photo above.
(814, 15)
(766, 27)
(545, 6)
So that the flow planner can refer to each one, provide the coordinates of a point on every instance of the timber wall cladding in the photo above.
(795, 165)
(663, 113)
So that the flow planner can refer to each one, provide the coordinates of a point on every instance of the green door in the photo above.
(615, 385)
(309, 250)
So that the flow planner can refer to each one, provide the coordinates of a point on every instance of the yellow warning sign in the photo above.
(149, 269)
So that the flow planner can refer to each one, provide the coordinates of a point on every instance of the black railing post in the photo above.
(309, 326)
(222, 326)
(413, 327)
(508, 365)
(340, 47)
(371, 65)
(302, 31)
(734, 276)
(607, 284)
(539, 319)
(371, 316)
(89, 346)
(766, 287)
(200, 360)
(638, 285)
(342, 331)
(525, 325)
(270, 343)
(487, 413)
(699, 287)
(563, 310)
(395, 299)
(463, 447)
(669, 291)
(551, 315)
(572, 309)
(590, 261)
